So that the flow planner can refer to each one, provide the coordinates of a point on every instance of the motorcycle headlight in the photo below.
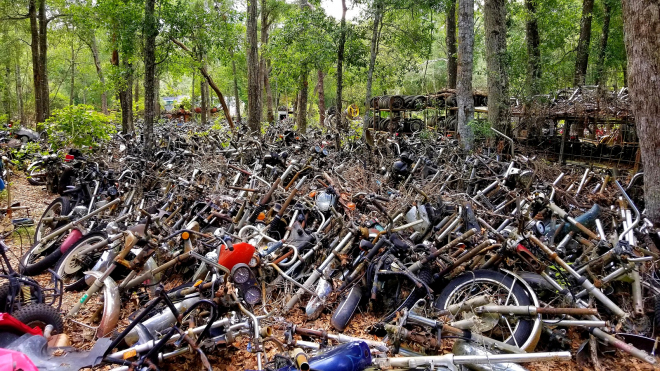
(324, 201)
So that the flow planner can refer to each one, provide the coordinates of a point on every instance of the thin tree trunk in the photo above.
(533, 50)
(97, 63)
(254, 83)
(129, 96)
(43, 58)
(302, 105)
(136, 94)
(464, 94)
(450, 40)
(7, 93)
(236, 96)
(19, 92)
(265, 62)
(270, 112)
(73, 74)
(496, 61)
(641, 22)
(321, 90)
(582, 57)
(192, 95)
(600, 64)
(151, 31)
(204, 92)
(375, 36)
(36, 69)
(340, 67)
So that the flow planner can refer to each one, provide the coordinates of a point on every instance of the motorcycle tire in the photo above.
(4, 293)
(474, 283)
(29, 268)
(346, 309)
(60, 206)
(426, 276)
(72, 278)
(40, 315)
(36, 173)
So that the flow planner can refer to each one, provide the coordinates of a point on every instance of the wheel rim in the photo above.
(497, 326)
(73, 266)
(54, 211)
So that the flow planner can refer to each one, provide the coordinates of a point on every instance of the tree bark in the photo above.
(97, 63)
(237, 97)
(450, 40)
(533, 50)
(204, 90)
(36, 70)
(265, 62)
(582, 56)
(464, 94)
(151, 31)
(136, 94)
(600, 64)
(496, 62)
(340, 68)
(301, 118)
(321, 89)
(19, 92)
(43, 58)
(254, 83)
(641, 26)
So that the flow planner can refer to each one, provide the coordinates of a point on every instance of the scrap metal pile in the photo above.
(221, 238)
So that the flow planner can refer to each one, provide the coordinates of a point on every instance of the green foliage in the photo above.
(79, 126)
(481, 129)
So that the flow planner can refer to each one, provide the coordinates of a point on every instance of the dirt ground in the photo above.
(236, 357)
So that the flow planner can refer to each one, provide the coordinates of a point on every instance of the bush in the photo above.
(79, 126)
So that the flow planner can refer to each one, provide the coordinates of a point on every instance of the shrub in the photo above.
(79, 126)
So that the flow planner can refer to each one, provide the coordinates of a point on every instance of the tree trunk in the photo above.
(157, 93)
(236, 96)
(136, 94)
(450, 40)
(600, 64)
(641, 24)
(254, 83)
(582, 57)
(19, 92)
(192, 95)
(496, 62)
(150, 33)
(265, 62)
(301, 118)
(36, 70)
(375, 37)
(533, 51)
(321, 89)
(464, 94)
(97, 63)
(204, 92)
(7, 93)
(340, 67)
(43, 58)
(73, 74)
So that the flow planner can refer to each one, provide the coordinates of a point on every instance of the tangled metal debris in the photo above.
(220, 238)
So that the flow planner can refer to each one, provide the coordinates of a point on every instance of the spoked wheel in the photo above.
(60, 207)
(501, 289)
(73, 264)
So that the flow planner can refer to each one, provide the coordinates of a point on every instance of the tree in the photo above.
(582, 56)
(496, 60)
(450, 40)
(533, 49)
(464, 94)
(600, 63)
(378, 10)
(641, 22)
(340, 64)
(150, 34)
(253, 67)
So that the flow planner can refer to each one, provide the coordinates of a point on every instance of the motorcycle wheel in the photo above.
(346, 309)
(71, 266)
(426, 276)
(502, 290)
(36, 173)
(60, 206)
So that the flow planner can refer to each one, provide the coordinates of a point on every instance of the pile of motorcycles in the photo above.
(217, 240)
